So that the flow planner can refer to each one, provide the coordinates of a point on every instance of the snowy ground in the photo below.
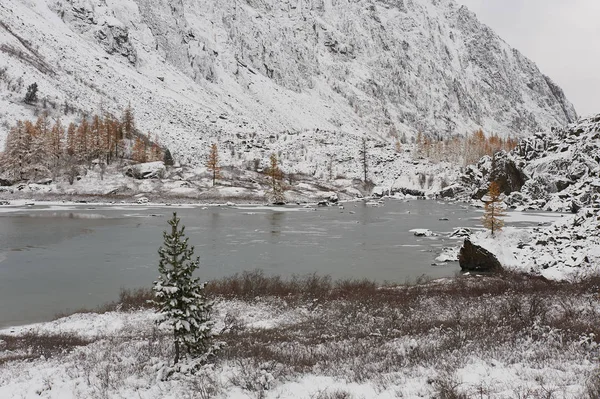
(191, 185)
(502, 337)
(568, 249)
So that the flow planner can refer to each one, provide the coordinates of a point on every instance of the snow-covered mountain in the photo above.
(234, 71)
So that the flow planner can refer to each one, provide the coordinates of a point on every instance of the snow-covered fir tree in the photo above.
(180, 298)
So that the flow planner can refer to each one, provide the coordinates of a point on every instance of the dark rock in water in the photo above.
(4, 183)
(475, 258)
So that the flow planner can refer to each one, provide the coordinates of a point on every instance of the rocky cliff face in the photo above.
(223, 70)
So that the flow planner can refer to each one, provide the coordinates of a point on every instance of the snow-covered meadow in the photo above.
(500, 337)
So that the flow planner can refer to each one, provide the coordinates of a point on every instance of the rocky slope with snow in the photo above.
(241, 73)
(557, 170)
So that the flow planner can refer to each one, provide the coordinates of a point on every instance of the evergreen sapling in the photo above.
(181, 300)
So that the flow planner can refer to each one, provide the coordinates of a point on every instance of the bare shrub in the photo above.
(446, 387)
(334, 394)
(32, 345)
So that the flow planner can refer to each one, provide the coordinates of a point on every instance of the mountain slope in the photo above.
(198, 71)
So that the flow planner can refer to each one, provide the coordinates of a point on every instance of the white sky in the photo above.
(561, 36)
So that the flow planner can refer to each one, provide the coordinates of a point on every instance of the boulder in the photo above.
(44, 182)
(507, 174)
(5, 182)
(148, 170)
(475, 258)
(452, 191)
(461, 232)
(422, 232)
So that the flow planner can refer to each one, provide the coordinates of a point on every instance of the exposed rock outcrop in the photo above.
(148, 170)
(556, 171)
(475, 258)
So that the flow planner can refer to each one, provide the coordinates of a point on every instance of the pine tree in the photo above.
(494, 209)
(275, 176)
(213, 162)
(180, 297)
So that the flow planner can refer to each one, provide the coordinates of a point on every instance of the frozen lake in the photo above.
(58, 258)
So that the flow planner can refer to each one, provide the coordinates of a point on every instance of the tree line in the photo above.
(46, 147)
(468, 149)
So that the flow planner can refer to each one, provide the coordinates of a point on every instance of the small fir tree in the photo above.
(180, 297)
(31, 95)
(494, 209)
(212, 163)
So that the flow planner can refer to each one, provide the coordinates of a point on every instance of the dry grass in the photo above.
(366, 330)
(33, 345)
(359, 331)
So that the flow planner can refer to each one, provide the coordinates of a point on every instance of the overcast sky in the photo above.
(561, 36)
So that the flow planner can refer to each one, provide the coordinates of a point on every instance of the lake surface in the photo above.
(59, 258)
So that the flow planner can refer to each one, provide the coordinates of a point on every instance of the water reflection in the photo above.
(276, 220)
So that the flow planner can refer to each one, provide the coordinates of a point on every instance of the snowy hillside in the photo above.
(229, 71)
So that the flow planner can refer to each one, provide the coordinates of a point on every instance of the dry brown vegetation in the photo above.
(458, 149)
(361, 332)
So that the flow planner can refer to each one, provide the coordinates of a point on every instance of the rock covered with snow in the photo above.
(555, 171)
(422, 232)
(147, 170)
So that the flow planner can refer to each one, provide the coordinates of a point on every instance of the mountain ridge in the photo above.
(196, 72)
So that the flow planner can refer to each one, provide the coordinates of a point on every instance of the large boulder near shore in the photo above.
(475, 258)
(148, 170)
